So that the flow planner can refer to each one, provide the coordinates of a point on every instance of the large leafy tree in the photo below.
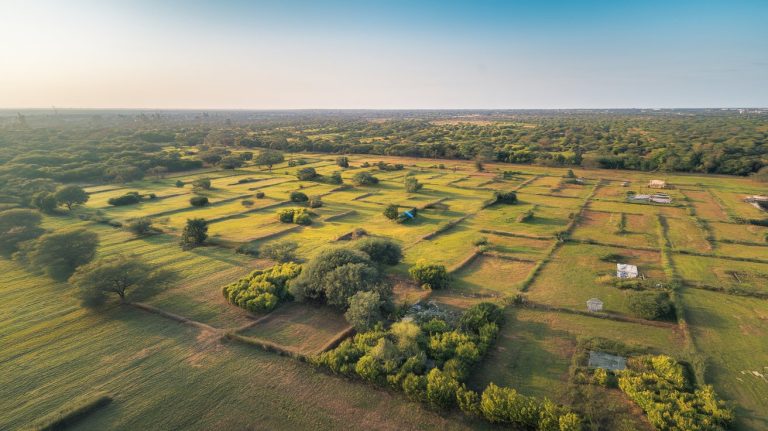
(17, 226)
(71, 195)
(269, 158)
(116, 275)
(58, 254)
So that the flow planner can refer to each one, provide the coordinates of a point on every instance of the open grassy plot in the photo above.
(60, 350)
(743, 251)
(639, 230)
(731, 332)
(529, 355)
(740, 232)
(496, 274)
(725, 274)
(571, 277)
(705, 205)
(304, 327)
(523, 248)
(734, 202)
(684, 234)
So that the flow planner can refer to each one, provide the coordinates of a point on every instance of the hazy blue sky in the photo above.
(384, 54)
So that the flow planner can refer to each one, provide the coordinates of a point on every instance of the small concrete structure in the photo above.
(594, 305)
(624, 270)
(661, 198)
(758, 201)
(657, 184)
(606, 361)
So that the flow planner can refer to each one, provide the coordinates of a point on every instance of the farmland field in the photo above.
(556, 247)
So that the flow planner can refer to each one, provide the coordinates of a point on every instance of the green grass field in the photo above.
(165, 375)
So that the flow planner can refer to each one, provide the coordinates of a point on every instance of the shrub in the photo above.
(441, 389)
(179, 183)
(381, 250)
(302, 218)
(247, 203)
(283, 251)
(202, 184)
(286, 215)
(651, 305)
(412, 185)
(342, 161)
(262, 290)
(298, 197)
(364, 179)
(507, 198)
(126, 199)
(315, 201)
(505, 405)
(198, 201)
(140, 226)
(391, 212)
(195, 233)
(430, 275)
(306, 174)
(260, 195)
(525, 217)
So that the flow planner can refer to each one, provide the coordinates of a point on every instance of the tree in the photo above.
(298, 197)
(158, 171)
(198, 201)
(761, 175)
(126, 199)
(58, 254)
(306, 174)
(284, 251)
(391, 212)
(364, 179)
(202, 184)
(140, 226)
(195, 233)
(342, 161)
(430, 275)
(364, 310)
(412, 185)
(231, 162)
(507, 198)
(16, 226)
(45, 202)
(71, 195)
(381, 250)
(115, 275)
(315, 201)
(269, 158)
(179, 183)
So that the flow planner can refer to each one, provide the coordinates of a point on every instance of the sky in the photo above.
(386, 54)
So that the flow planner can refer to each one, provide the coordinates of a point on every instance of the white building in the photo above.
(657, 184)
(624, 270)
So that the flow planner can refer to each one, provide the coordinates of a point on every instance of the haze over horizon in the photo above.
(365, 55)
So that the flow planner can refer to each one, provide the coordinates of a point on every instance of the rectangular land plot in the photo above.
(304, 327)
(735, 202)
(528, 355)
(706, 206)
(740, 232)
(684, 234)
(570, 278)
(603, 227)
(525, 248)
(743, 251)
(722, 273)
(487, 273)
(731, 331)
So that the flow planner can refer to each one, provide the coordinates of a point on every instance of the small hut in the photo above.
(594, 305)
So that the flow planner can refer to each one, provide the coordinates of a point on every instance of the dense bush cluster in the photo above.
(364, 179)
(198, 201)
(129, 198)
(507, 198)
(263, 289)
(430, 276)
(429, 362)
(295, 215)
(652, 305)
(661, 387)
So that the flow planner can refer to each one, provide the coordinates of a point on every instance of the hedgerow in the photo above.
(262, 289)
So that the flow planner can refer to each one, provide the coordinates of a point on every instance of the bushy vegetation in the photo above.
(508, 198)
(652, 305)
(364, 179)
(16, 226)
(195, 233)
(298, 197)
(295, 215)
(198, 201)
(140, 227)
(263, 289)
(129, 198)
(283, 251)
(391, 212)
(430, 276)
(381, 250)
(430, 361)
(412, 185)
(662, 388)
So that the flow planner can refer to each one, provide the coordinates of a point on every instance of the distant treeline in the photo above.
(39, 151)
